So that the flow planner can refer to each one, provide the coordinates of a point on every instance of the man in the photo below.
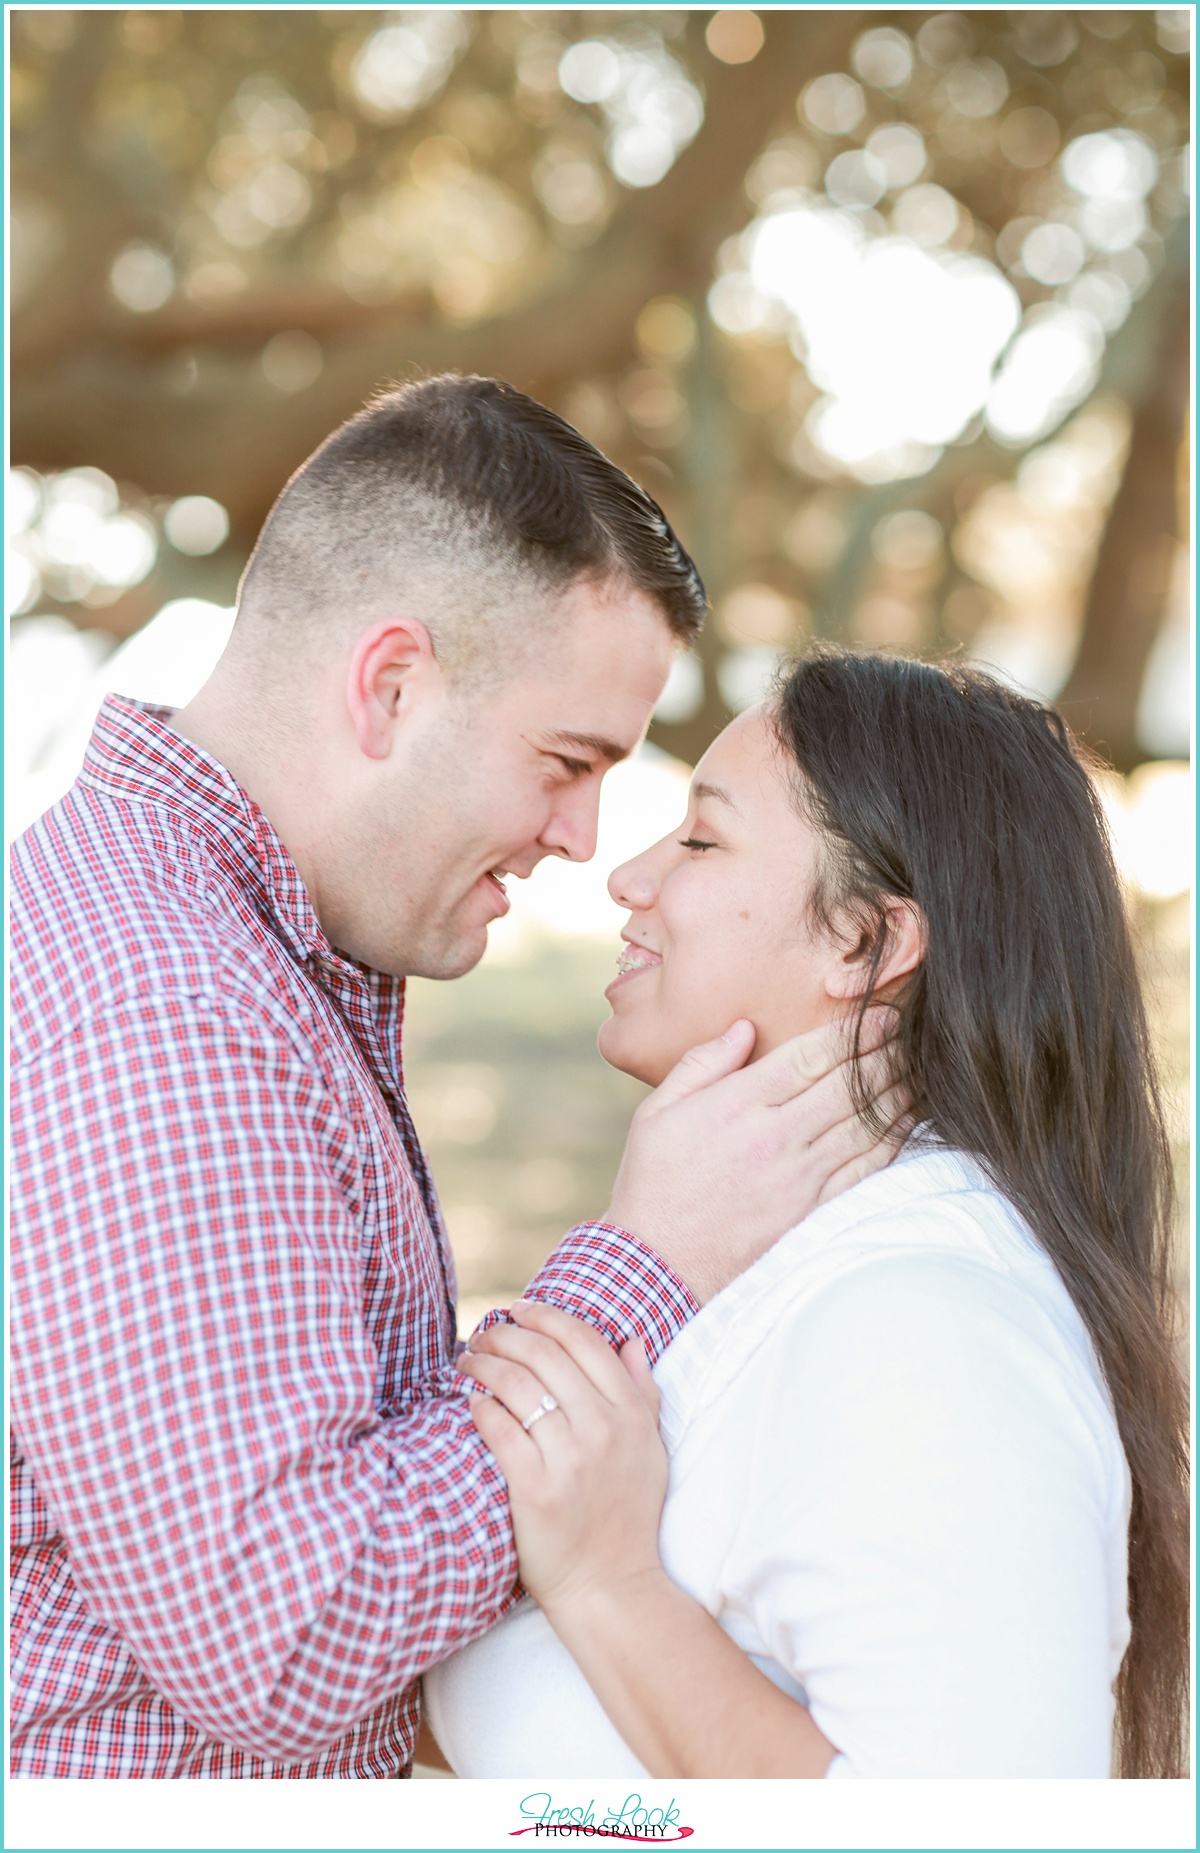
(250, 1505)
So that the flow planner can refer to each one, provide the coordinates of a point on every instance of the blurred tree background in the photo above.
(889, 309)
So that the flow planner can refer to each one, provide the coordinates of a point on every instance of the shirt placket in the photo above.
(351, 997)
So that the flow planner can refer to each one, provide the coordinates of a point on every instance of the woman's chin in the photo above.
(630, 1055)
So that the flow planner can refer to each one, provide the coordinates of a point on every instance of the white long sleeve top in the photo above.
(896, 1482)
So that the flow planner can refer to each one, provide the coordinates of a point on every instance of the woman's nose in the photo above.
(633, 885)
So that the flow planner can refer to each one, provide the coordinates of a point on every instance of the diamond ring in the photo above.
(547, 1406)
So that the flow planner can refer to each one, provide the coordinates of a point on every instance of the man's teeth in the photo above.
(635, 959)
(497, 876)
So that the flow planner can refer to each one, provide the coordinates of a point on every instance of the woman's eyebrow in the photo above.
(701, 789)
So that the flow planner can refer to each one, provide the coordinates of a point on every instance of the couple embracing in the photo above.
(846, 1442)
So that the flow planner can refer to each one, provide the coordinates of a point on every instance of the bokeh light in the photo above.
(883, 58)
(666, 329)
(745, 675)
(834, 103)
(403, 64)
(196, 525)
(759, 614)
(61, 675)
(928, 214)
(978, 87)
(900, 150)
(684, 691)
(571, 186)
(652, 108)
(292, 360)
(259, 185)
(901, 340)
(909, 540)
(1029, 137)
(1175, 28)
(1113, 164)
(1049, 368)
(141, 278)
(734, 35)
(1151, 817)
(1053, 253)
(71, 537)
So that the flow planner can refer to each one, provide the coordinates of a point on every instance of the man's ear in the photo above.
(392, 670)
(907, 937)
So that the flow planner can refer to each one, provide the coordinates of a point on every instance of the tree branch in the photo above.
(234, 437)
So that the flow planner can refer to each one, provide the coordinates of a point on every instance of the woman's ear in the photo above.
(848, 973)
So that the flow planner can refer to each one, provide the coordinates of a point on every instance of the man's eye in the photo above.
(576, 768)
(694, 842)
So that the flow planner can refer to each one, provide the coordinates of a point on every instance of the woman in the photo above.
(926, 1501)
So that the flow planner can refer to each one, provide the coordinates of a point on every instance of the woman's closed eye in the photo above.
(694, 842)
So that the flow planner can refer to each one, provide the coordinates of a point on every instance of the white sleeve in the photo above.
(927, 1543)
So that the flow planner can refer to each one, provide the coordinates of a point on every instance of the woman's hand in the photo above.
(586, 1484)
(587, 1477)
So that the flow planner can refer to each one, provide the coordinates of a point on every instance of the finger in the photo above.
(795, 1066)
(591, 1353)
(819, 1110)
(834, 1100)
(855, 1149)
(858, 1131)
(584, 1394)
(517, 1388)
(633, 1356)
(708, 1062)
(517, 1453)
(863, 1165)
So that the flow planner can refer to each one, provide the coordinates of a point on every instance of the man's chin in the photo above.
(451, 961)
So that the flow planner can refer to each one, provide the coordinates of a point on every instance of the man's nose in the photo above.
(573, 828)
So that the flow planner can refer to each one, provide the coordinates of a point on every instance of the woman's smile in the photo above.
(718, 909)
(632, 960)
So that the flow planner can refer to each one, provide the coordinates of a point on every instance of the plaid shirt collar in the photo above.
(134, 753)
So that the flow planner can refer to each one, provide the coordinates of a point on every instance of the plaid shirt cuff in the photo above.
(605, 1275)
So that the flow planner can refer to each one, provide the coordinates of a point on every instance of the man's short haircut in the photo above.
(465, 503)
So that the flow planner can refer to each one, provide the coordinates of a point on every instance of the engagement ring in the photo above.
(547, 1406)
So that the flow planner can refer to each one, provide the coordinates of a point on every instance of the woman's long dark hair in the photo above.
(1023, 1040)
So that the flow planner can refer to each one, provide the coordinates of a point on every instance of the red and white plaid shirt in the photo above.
(249, 1503)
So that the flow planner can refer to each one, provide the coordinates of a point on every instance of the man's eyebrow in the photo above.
(701, 789)
(592, 743)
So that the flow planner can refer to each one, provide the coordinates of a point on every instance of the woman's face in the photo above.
(718, 926)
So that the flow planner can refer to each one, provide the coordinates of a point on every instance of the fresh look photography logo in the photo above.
(634, 1819)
